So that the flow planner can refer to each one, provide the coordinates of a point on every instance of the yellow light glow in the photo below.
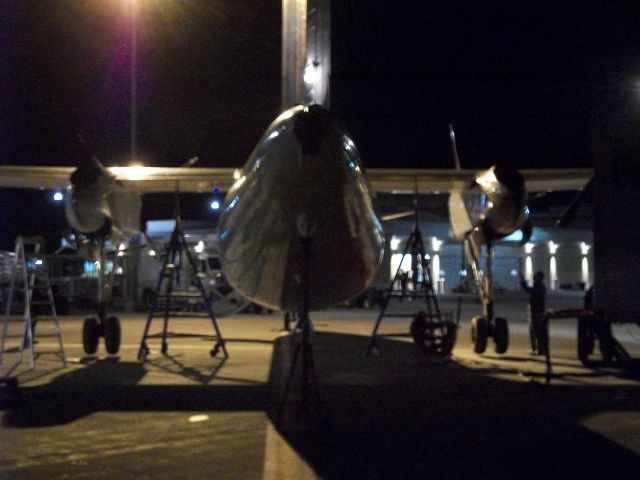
(198, 418)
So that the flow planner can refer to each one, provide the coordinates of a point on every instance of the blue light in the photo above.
(58, 197)
(215, 205)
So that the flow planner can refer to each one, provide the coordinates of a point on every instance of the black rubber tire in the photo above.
(418, 328)
(112, 335)
(479, 333)
(90, 335)
(501, 335)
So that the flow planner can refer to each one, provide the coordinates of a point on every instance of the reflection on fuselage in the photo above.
(304, 178)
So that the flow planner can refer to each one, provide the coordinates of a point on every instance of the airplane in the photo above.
(300, 209)
(292, 187)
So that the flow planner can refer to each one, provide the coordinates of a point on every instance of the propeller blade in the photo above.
(398, 215)
(527, 231)
(570, 212)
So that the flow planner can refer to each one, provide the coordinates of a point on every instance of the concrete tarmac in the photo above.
(395, 415)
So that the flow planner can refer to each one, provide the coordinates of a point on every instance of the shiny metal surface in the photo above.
(204, 179)
(103, 206)
(493, 207)
(303, 177)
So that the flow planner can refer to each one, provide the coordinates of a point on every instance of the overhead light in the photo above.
(584, 248)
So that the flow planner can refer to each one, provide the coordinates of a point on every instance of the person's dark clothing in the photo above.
(537, 320)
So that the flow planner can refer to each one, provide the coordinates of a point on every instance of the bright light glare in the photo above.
(58, 197)
(435, 244)
(311, 73)
(198, 418)
(215, 205)
(199, 248)
(584, 248)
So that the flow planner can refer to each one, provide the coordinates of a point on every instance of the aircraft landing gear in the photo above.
(92, 330)
(482, 329)
(112, 335)
(90, 335)
(501, 335)
(479, 333)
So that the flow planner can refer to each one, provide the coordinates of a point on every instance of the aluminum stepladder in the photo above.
(29, 276)
(432, 329)
(175, 253)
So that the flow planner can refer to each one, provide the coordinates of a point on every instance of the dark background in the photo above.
(520, 82)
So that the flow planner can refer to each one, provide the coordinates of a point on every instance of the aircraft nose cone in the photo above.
(303, 179)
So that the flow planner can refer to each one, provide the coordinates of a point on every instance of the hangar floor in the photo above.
(186, 415)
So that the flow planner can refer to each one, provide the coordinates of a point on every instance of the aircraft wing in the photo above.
(141, 179)
(429, 180)
(205, 179)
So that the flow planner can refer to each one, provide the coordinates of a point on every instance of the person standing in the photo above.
(537, 320)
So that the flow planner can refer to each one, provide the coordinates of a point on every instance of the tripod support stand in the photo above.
(432, 330)
(303, 353)
(178, 249)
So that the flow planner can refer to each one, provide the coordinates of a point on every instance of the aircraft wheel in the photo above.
(479, 333)
(112, 335)
(90, 335)
(501, 335)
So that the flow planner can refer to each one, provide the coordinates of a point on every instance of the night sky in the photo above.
(518, 80)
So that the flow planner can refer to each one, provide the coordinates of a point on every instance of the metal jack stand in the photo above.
(30, 275)
(303, 352)
(170, 272)
(432, 330)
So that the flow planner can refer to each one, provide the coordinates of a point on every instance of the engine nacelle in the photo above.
(494, 206)
(97, 204)
(304, 178)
